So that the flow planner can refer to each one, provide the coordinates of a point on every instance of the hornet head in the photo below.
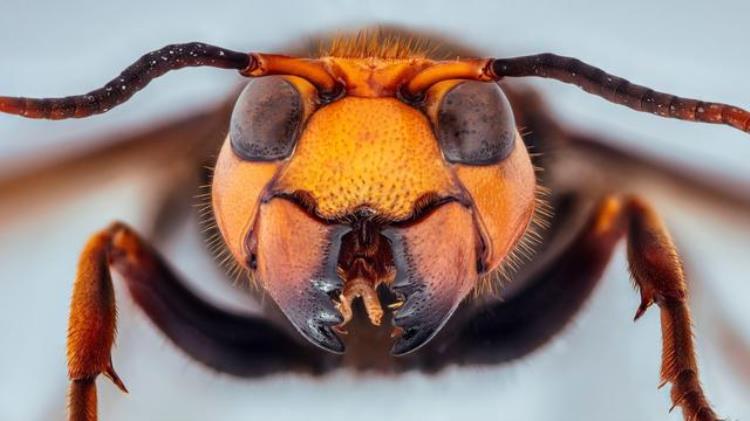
(336, 180)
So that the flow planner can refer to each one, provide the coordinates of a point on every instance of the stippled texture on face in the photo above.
(285, 220)
(376, 152)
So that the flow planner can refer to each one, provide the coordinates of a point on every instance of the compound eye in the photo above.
(475, 124)
(266, 120)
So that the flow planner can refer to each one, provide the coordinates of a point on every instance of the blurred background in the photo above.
(601, 367)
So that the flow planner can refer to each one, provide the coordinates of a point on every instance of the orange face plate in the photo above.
(370, 150)
(373, 152)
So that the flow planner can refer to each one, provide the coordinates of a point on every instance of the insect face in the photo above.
(374, 173)
(326, 202)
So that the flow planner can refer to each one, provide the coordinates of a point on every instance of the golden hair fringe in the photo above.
(377, 43)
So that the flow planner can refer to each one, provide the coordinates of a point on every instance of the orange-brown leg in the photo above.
(654, 262)
(91, 327)
(508, 329)
(242, 345)
(657, 272)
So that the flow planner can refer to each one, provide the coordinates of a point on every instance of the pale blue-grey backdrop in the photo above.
(604, 367)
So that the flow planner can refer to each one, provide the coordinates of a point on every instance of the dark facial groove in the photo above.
(423, 207)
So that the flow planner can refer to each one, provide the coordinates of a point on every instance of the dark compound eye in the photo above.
(475, 124)
(266, 120)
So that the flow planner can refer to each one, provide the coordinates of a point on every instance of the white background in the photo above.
(604, 367)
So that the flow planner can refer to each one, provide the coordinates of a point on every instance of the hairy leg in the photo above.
(653, 259)
(657, 272)
(544, 308)
(91, 328)
(239, 345)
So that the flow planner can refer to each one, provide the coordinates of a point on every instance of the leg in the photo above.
(521, 324)
(239, 345)
(653, 259)
(658, 274)
(91, 328)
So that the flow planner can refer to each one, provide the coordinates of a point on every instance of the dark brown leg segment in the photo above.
(235, 344)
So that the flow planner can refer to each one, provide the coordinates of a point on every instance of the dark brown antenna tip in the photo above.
(130, 81)
(618, 90)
